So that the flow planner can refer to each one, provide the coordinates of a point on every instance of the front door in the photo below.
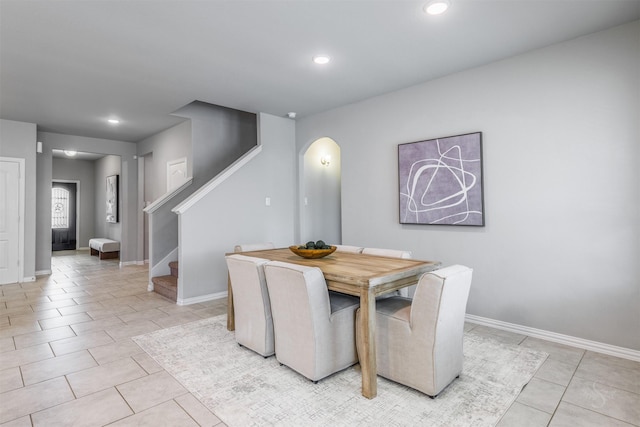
(63, 216)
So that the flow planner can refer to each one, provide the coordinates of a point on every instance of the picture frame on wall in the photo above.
(112, 198)
(441, 181)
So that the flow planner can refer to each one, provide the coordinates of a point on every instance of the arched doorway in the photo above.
(321, 192)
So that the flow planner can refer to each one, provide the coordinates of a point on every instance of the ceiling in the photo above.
(68, 66)
(80, 155)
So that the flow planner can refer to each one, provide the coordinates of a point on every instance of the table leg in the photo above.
(367, 326)
(231, 320)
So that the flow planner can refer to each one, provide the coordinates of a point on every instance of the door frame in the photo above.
(21, 201)
(77, 183)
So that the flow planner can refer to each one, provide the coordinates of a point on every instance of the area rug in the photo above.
(244, 389)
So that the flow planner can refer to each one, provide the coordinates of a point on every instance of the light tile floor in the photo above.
(67, 359)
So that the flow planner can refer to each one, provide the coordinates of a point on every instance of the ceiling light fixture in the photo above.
(436, 7)
(114, 121)
(321, 59)
(70, 153)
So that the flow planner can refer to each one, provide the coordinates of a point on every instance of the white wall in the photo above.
(18, 140)
(235, 211)
(561, 130)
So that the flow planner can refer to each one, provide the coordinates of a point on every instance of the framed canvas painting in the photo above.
(112, 198)
(441, 181)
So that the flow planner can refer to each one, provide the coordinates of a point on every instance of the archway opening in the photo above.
(321, 192)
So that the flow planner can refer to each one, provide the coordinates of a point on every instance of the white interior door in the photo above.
(176, 173)
(9, 222)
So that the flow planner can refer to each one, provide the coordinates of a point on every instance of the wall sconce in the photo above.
(325, 160)
(39, 147)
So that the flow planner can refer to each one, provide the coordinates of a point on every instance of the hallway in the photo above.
(67, 357)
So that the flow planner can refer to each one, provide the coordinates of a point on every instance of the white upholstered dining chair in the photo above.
(247, 247)
(314, 328)
(391, 253)
(251, 304)
(349, 248)
(419, 341)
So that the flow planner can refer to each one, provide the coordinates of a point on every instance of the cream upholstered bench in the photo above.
(105, 248)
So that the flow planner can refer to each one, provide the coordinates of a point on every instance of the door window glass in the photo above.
(59, 208)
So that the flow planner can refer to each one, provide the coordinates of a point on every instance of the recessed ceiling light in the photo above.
(321, 59)
(436, 7)
(70, 153)
(114, 121)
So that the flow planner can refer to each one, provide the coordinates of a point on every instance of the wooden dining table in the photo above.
(364, 276)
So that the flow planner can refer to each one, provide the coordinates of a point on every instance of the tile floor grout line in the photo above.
(567, 387)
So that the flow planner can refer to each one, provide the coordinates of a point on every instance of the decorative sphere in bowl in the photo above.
(312, 253)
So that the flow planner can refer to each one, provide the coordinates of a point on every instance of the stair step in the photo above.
(173, 265)
(167, 286)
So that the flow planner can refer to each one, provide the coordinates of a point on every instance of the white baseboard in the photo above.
(203, 298)
(43, 272)
(29, 279)
(125, 263)
(598, 347)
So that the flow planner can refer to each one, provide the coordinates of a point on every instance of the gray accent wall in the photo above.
(561, 134)
(219, 135)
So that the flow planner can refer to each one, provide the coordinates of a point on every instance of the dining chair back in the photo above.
(391, 253)
(314, 328)
(419, 341)
(349, 248)
(247, 247)
(251, 304)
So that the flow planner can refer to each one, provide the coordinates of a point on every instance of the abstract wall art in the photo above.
(112, 198)
(441, 181)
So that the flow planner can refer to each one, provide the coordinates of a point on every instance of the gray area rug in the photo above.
(243, 389)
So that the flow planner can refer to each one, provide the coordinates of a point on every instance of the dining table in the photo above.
(361, 275)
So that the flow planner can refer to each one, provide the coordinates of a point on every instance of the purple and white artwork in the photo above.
(441, 181)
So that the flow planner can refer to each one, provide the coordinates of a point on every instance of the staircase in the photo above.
(167, 286)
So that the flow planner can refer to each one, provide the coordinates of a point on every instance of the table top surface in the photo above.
(352, 268)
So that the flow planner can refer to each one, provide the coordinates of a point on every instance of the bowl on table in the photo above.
(312, 253)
